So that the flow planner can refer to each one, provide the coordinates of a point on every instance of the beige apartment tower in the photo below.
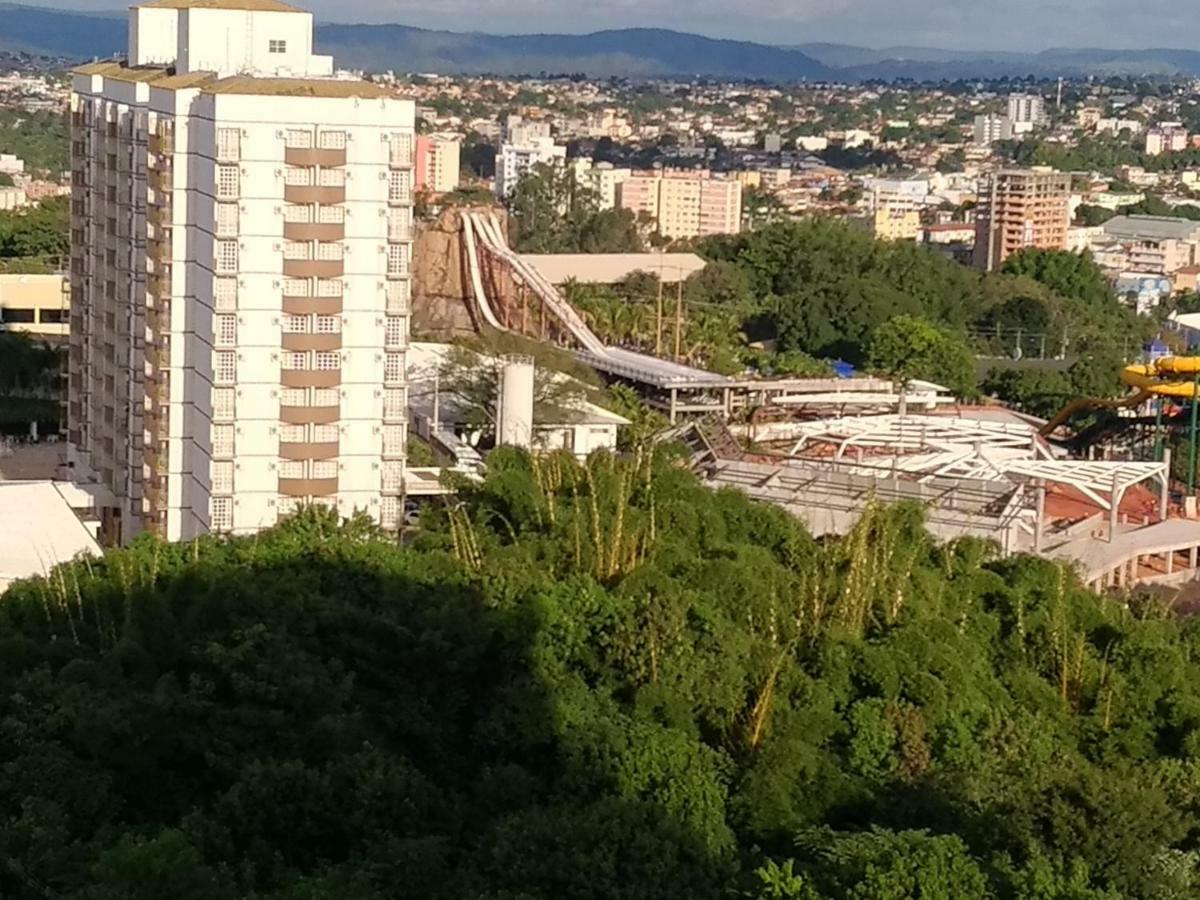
(241, 250)
(1021, 208)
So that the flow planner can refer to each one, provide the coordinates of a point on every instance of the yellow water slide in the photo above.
(1169, 376)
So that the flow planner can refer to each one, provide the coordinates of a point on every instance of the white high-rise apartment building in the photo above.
(514, 160)
(1026, 112)
(241, 254)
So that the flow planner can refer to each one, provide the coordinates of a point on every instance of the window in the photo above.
(400, 149)
(295, 324)
(228, 182)
(393, 368)
(295, 359)
(224, 367)
(294, 212)
(327, 361)
(296, 287)
(329, 287)
(393, 440)
(297, 250)
(394, 403)
(325, 397)
(291, 468)
(389, 512)
(332, 215)
(222, 440)
(393, 474)
(325, 468)
(227, 219)
(397, 260)
(331, 177)
(332, 140)
(398, 295)
(225, 293)
(293, 434)
(399, 224)
(221, 513)
(226, 330)
(222, 477)
(327, 325)
(399, 187)
(290, 505)
(298, 139)
(276, 46)
(325, 434)
(227, 256)
(229, 141)
(396, 332)
(223, 403)
(298, 177)
(329, 251)
(293, 397)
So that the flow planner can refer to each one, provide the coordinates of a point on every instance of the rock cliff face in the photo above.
(442, 307)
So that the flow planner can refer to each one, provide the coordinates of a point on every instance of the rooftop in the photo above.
(609, 268)
(38, 530)
(299, 87)
(243, 5)
(1160, 227)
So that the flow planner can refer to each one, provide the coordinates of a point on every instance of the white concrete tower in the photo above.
(241, 254)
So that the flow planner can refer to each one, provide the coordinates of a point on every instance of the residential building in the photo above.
(12, 197)
(1026, 112)
(991, 128)
(601, 178)
(241, 228)
(893, 224)
(685, 204)
(11, 164)
(514, 160)
(524, 132)
(1167, 138)
(1020, 208)
(1156, 244)
(36, 304)
(437, 163)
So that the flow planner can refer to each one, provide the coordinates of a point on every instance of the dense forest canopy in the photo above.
(592, 682)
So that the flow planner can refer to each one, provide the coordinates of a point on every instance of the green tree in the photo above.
(906, 348)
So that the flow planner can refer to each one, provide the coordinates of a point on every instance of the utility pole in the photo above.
(678, 319)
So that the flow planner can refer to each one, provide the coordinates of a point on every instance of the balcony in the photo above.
(314, 268)
(308, 450)
(322, 306)
(314, 231)
(300, 378)
(309, 415)
(328, 195)
(308, 487)
(293, 341)
(327, 158)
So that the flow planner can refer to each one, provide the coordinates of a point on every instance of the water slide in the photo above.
(486, 230)
(1169, 376)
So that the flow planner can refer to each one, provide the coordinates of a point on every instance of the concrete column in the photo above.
(1170, 562)
(1165, 500)
(1039, 522)
(1113, 511)
(674, 399)
(1191, 557)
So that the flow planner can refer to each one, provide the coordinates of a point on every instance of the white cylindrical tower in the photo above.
(514, 421)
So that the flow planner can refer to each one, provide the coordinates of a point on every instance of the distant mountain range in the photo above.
(636, 52)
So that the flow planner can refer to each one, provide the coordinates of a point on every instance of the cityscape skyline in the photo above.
(871, 24)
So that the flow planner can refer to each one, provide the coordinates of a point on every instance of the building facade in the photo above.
(438, 163)
(241, 249)
(514, 160)
(1021, 208)
(685, 204)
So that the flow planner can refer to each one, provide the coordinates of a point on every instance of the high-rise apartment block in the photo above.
(992, 128)
(514, 160)
(438, 163)
(1166, 138)
(1026, 112)
(241, 248)
(601, 178)
(1020, 208)
(685, 204)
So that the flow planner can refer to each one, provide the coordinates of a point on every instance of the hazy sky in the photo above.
(966, 24)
